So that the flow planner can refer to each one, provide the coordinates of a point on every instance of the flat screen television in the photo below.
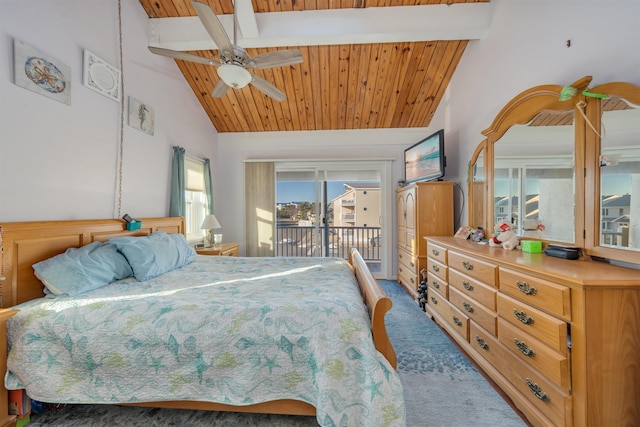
(425, 160)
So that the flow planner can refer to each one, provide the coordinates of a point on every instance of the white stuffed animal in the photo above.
(504, 236)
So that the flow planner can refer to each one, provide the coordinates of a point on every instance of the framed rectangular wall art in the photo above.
(41, 73)
(101, 76)
(141, 116)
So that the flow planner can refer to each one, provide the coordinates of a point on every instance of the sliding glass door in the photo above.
(326, 209)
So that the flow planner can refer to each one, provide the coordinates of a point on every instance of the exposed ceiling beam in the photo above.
(460, 21)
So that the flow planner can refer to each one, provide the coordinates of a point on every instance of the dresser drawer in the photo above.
(408, 277)
(545, 295)
(483, 271)
(486, 344)
(454, 317)
(476, 311)
(438, 285)
(409, 261)
(436, 252)
(438, 269)
(551, 401)
(535, 354)
(477, 290)
(546, 328)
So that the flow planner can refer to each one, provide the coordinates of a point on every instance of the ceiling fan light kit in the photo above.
(234, 76)
(234, 60)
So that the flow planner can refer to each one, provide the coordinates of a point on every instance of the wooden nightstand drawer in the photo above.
(473, 267)
(225, 249)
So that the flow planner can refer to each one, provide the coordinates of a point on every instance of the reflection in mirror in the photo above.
(620, 175)
(534, 181)
(478, 191)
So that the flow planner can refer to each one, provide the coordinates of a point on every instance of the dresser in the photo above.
(424, 209)
(224, 249)
(560, 337)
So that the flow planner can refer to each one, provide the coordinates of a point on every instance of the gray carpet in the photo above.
(442, 388)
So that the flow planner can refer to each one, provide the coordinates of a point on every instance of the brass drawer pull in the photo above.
(435, 284)
(433, 300)
(400, 255)
(412, 281)
(525, 288)
(400, 269)
(522, 316)
(435, 268)
(524, 349)
(467, 265)
(481, 343)
(435, 252)
(537, 391)
(412, 264)
(468, 286)
(457, 321)
(467, 307)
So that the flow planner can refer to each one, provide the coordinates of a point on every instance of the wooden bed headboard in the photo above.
(25, 243)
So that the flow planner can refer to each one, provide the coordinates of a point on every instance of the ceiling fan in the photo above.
(234, 62)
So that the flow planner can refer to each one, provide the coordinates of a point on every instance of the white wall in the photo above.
(527, 46)
(59, 161)
(233, 148)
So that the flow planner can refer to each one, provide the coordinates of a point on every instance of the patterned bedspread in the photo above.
(222, 329)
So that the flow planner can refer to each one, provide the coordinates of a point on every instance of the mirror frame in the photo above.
(630, 93)
(520, 111)
(587, 144)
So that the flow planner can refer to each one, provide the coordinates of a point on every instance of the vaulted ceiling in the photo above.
(367, 63)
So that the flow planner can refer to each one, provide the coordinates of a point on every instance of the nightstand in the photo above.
(224, 249)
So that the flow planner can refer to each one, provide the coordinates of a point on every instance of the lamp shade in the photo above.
(210, 222)
(234, 75)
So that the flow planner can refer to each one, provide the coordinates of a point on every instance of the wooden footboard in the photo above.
(25, 243)
(378, 304)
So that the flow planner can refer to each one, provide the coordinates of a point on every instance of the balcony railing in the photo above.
(301, 242)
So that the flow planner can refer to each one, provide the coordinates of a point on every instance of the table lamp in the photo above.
(210, 223)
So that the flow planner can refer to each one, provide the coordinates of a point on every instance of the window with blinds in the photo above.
(195, 198)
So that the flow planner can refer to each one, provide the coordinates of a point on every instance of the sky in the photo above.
(304, 191)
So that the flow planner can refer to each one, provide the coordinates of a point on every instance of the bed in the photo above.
(211, 334)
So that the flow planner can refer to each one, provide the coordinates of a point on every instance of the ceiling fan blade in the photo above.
(266, 87)
(183, 56)
(220, 89)
(214, 27)
(279, 58)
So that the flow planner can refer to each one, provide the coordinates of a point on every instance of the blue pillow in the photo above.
(155, 254)
(83, 269)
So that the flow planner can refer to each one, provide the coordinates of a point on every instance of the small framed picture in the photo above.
(464, 232)
(101, 76)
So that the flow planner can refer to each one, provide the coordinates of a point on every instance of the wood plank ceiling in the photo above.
(340, 86)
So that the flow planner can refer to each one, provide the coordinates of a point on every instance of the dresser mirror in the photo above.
(477, 185)
(531, 154)
(616, 172)
(533, 177)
